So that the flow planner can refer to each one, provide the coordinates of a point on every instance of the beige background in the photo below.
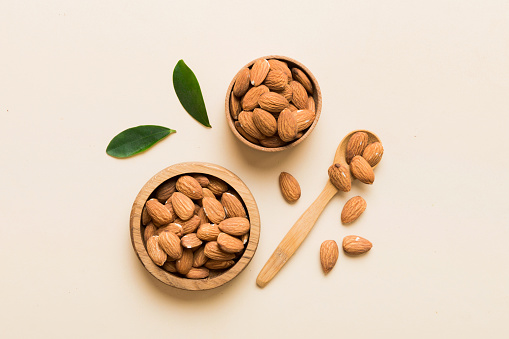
(431, 78)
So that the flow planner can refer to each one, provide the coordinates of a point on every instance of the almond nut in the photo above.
(197, 273)
(241, 82)
(145, 217)
(207, 232)
(362, 170)
(250, 100)
(300, 96)
(159, 214)
(339, 176)
(185, 263)
(273, 102)
(229, 244)
(170, 266)
(189, 226)
(243, 132)
(202, 216)
(290, 187)
(214, 210)
(165, 190)
(235, 106)
(276, 80)
(329, 253)
(356, 145)
(373, 153)
(199, 257)
(272, 142)
(155, 252)
(219, 264)
(189, 186)
(303, 79)
(282, 66)
(287, 126)
(311, 104)
(232, 206)
(182, 205)
(259, 71)
(150, 230)
(353, 209)
(174, 228)
(235, 226)
(286, 92)
(264, 122)
(213, 251)
(304, 118)
(190, 241)
(169, 207)
(353, 244)
(170, 243)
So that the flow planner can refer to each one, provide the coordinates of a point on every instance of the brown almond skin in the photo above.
(185, 263)
(311, 104)
(159, 214)
(214, 210)
(264, 122)
(190, 241)
(250, 100)
(189, 226)
(329, 253)
(273, 102)
(361, 170)
(286, 92)
(356, 145)
(242, 82)
(145, 217)
(155, 252)
(219, 264)
(173, 227)
(356, 245)
(202, 179)
(189, 186)
(282, 66)
(243, 132)
(165, 190)
(290, 187)
(169, 207)
(373, 153)
(170, 266)
(353, 209)
(208, 232)
(276, 80)
(304, 118)
(287, 126)
(217, 186)
(199, 257)
(233, 206)
(235, 226)
(213, 251)
(246, 120)
(182, 205)
(235, 106)
(272, 142)
(300, 96)
(170, 244)
(198, 273)
(229, 244)
(303, 79)
(339, 176)
(259, 71)
(150, 230)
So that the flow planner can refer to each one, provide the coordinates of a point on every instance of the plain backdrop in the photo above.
(431, 78)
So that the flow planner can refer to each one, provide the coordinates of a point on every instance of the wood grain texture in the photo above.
(300, 230)
(317, 96)
(214, 280)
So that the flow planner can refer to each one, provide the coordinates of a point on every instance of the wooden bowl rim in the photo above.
(204, 168)
(317, 95)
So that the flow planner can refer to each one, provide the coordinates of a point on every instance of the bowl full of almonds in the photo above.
(273, 103)
(195, 226)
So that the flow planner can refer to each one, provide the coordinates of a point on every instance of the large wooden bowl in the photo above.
(317, 96)
(172, 279)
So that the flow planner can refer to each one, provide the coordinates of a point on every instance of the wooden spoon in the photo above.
(303, 226)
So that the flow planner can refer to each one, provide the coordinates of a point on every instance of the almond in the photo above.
(247, 122)
(170, 266)
(169, 207)
(235, 106)
(235, 226)
(155, 252)
(273, 102)
(159, 214)
(250, 100)
(243, 132)
(329, 253)
(287, 126)
(232, 206)
(189, 186)
(276, 80)
(373, 153)
(202, 216)
(182, 205)
(272, 142)
(202, 179)
(213, 210)
(241, 82)
(170, 243)
(217, 186)
(356, 145)
(362, 170)
(286, 92)
(190, 241)
(197, 273)
(189, 226)
(353, 244)
(339, 176)
(150, 230)
(264, 122)
(259, 71)
(165, 190)
(207, 232)
(145, 217)
(290, 187)
(213, 251)
(199, 257)
(300, 96)
(173, 227)
(311, 104)
(304, 118)
(185, 263)
(219, 264)
(207, 193)
(303, 79)
(353, 209)
(229, 244)
(282, 66)
(292, 108)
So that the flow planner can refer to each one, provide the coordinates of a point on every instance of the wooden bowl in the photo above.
(172, 279)
(317, 96)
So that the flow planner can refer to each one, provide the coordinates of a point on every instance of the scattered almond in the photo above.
(290, 187)
(353, 244)
(353, 209)
(329, 254)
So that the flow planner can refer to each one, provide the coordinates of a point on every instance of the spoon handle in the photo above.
(295, 236)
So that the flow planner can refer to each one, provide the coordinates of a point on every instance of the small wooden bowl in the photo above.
(317, 96)
(172, 279)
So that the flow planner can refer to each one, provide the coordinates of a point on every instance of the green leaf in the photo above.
(189, 93)
(136, 139)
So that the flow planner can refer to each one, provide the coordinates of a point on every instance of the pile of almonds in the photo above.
(361, 157)
(195, 224)
(271, 104)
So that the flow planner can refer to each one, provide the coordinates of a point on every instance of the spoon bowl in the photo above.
(299, 231)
